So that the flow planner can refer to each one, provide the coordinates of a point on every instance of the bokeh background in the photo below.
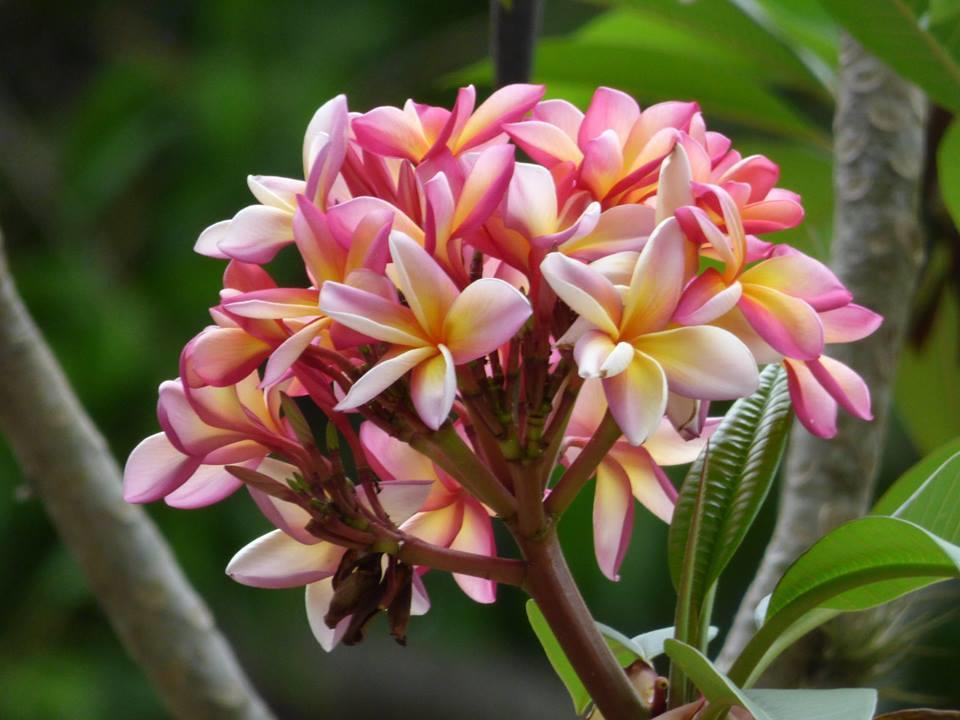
(126, 128)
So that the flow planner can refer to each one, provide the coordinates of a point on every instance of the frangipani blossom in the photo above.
(627, 473)
(628, 341)
(291, 557)
(438, 329)
(449, 517)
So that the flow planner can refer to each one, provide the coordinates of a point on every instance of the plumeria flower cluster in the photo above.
(475, 337)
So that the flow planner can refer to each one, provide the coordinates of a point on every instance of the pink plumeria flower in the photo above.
(626, 339)
(438, 329)
(419, 131)
(258, 232)
(449, 517)
(627, 473)
(204, 429)
(292, 557)
(611, 149)
(818, 387)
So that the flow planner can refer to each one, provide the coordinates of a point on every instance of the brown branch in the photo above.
(877, 251)
(513, 36)
(161, 620)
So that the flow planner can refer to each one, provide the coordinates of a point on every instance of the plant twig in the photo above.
(877, 251)
(513, 35)
(161, 620)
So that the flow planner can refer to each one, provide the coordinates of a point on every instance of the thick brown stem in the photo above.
(550, 584)
(161, 620)
(584, 467)
(877, 251)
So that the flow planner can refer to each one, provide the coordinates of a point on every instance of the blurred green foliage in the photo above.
(126, 128)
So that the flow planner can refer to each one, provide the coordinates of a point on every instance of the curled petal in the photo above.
(484, 188)
(487, 314)
(318, 597)
(648, 483)
(392, 132)
(384, 374)
(815, 408)
(849, 323)
(154, 469)
(208, 485)
(622, 228)
(433, 388)
(637, 398)
(547, 144)
(673, 187)
(257, 233)
(780, 210)
(476, 536)
(612, 518)
(324, 120)
(276, 560)
(657, 281)
(611, 110)
(289, 351)
(844, 385)
(706, 298)
(224, 356)
(592, 351)
(668, 447)
(209, 241)
(507, 104)
(703, 362)
(585, 290)
(787, 323)
(274, 304)
(531, 204)
(278, 192)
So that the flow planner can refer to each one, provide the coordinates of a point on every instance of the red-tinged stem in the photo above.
(549, 582)
(584, 467)
(502, 570)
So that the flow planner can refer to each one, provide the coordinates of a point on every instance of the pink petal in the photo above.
(257, 233)
(327, 117)
(433, 388)
(483, 188)
(844, 385)
(208, 485)
(648, 483)
(544, 143)
(276, 560)
(224, 356)
(438, 527)
(706, 298)
(507, 104)
(637, 398)
(801, 277)
(788, 324)
(278, 192)
(602, 164)
(209, 241)
(586, 291)
(392, 132)
(759, 172)
(671, 115)
(668, 447)
(780, 211)
(393, 459)
(849, 323)
(734, 322)
(476, 536)
(612, 518)
(441, 205)
(815, 409)
(246, 277)
(324, 257)
(274, 304)
(591, 353)
(186, 429)
(428, 290)
(562, 114)
(384, 374)
(289, 351)
(673, 187)
(318, 597)
(619, 229)
(531, 203)
(371, 314)
(154, 469)
(657, 281)
(487, 314)
(702, 362)
(401, 499)
(344, 218)
(609, 110)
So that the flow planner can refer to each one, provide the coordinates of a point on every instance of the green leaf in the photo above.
(722, 692)
(626, 651)
(948, 170)
(558, 659)
(740, 464)
(934, 505)
(913, 479)
(859, 565)
(891, 30)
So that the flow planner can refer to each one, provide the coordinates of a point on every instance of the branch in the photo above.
(878, 252)
(513, 35)
(161, 620)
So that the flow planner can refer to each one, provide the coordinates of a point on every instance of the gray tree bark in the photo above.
(161, 620)
(877, 251)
